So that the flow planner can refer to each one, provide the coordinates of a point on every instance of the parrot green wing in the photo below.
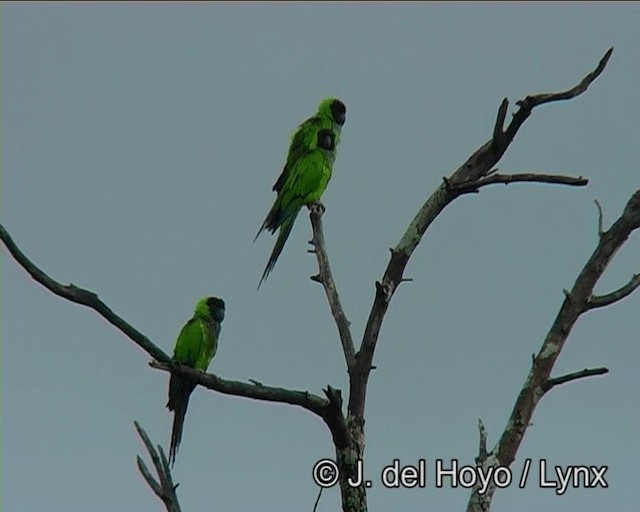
(197, 344)
(307, 182)
(296, 150)
(310, 174)
(189, 343)
(301, 144)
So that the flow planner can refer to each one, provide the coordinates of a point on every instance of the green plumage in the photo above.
(306, 173)
(196, 346)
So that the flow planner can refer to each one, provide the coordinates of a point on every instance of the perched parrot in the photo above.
(197, 344)
(306, 172)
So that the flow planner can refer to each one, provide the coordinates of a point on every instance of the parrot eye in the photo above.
(339, 112)
(326, 140)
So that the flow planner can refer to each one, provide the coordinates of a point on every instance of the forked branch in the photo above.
(469, 176)
(164, 487)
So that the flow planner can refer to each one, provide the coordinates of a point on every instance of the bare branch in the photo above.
(304, 399)
(494, 178)
(600, 301)
(532, 177)
(155, 487)
(83, 297)
(325, 277)
(530, 102)
(328, 409)
(477, 166)
(540, 99)
(165, 489)
(587, 372)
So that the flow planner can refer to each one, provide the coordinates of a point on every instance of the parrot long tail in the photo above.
(272, 220)
(264, 225)
(179, 393)
(176, 432)
(283, 234)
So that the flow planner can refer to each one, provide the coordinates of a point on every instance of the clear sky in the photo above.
(139, 146)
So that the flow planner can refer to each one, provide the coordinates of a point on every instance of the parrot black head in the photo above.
(333, 108)
(210, 308)
(338, 111)
(216, 307)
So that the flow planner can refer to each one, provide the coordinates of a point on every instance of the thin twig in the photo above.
(315, 505)
(600, 218)
(494, 178)
(530, 102)
(587, 372)
(540, 99)
(325, 277)
(83, 297)
(600, 301)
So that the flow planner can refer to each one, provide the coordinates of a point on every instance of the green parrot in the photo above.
(197, 344)
(306, 173)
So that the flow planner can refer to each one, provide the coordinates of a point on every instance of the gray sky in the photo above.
(139, 147)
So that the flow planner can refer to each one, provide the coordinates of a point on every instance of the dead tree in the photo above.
(347, 427)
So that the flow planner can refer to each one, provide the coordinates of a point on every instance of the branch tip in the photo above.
(163, 488)
(317, 278)
(482, 442)
(498, 128)
(600, 218)
(587, 372)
